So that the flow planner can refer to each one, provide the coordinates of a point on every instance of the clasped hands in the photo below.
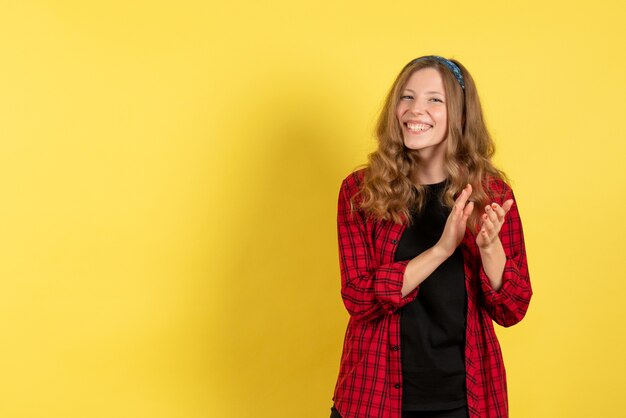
(491, 221)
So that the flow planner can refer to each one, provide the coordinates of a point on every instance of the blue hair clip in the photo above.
(451, 66)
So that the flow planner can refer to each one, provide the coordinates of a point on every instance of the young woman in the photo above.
(431, 252)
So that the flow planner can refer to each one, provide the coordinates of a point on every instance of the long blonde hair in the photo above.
(388, 193)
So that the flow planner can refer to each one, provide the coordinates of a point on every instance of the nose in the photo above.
(417, 107)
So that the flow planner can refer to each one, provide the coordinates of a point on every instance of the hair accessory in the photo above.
(451, 66)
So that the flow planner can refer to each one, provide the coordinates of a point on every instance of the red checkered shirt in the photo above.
(370, 374)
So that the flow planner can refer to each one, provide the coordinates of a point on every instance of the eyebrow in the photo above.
(428, 92)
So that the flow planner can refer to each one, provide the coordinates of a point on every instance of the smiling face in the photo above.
(422, 114)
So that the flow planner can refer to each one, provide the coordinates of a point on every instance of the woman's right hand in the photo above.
(454, 230)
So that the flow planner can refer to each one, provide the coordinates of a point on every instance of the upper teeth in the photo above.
(417, 126)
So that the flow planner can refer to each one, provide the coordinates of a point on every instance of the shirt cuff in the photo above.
(388, 286)
(508, 274)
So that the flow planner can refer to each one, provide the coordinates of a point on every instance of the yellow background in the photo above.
(169, 175)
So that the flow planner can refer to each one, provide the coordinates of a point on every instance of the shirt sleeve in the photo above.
(368, 290)
(509, 304)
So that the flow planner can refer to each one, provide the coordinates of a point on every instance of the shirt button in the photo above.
(393, 241)
(395, 348)
(397, 386)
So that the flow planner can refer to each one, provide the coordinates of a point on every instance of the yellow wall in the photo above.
(169, 175)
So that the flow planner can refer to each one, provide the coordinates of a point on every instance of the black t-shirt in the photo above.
(433, 325)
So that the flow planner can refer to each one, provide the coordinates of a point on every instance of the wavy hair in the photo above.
(387, 191)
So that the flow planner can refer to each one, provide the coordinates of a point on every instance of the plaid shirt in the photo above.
(370, 374)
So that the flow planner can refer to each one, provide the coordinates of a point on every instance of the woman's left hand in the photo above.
(491, 222)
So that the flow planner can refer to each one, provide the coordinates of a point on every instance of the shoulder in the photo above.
(497, 188)
(353, 182)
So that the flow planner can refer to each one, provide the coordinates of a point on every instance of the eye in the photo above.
(406, 97)
(436, 99)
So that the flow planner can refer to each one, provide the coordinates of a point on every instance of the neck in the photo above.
(429, 172)
(430, 179)
(431, 169)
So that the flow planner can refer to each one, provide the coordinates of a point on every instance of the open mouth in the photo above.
(417, 128)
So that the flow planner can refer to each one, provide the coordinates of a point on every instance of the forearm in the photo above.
(493, 260)
(420, 267)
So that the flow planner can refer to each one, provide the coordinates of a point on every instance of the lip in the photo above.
(423, 122)
(416, 133)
